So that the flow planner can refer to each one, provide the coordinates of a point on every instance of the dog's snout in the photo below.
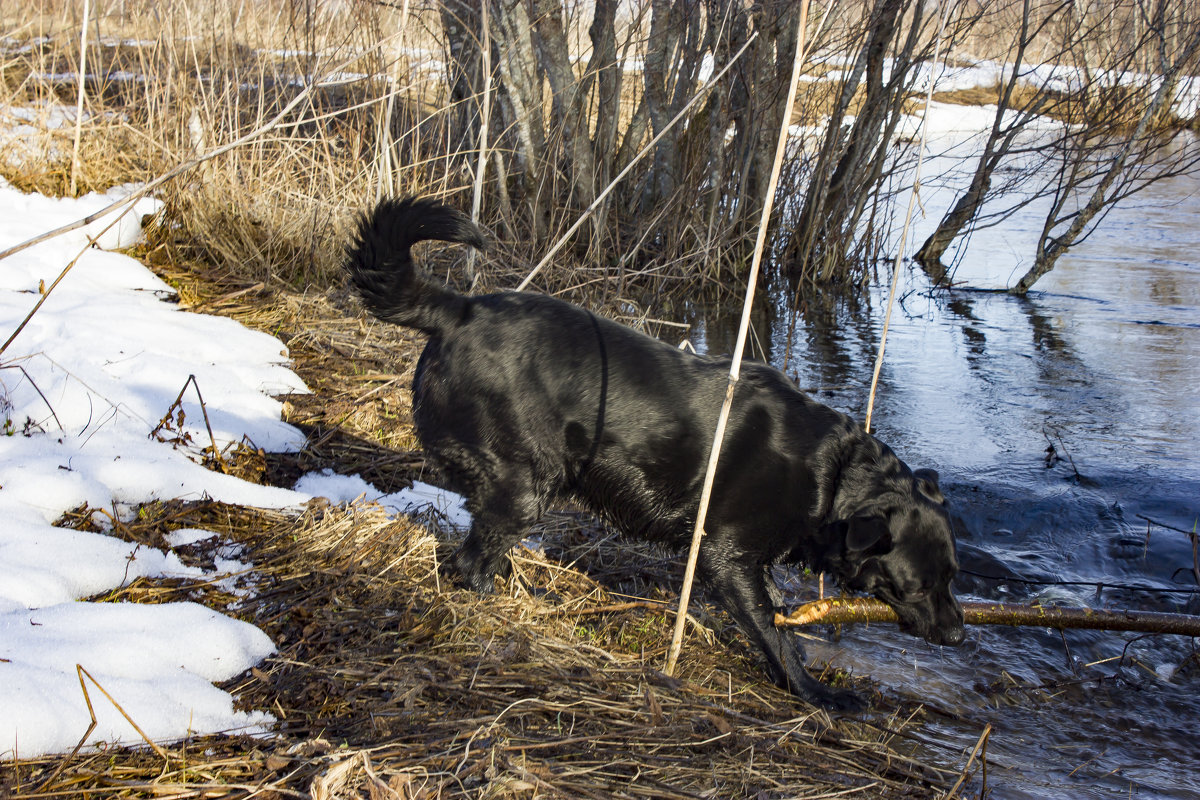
(940, 622)
(952, 627)
(951, 636)
(954, 637)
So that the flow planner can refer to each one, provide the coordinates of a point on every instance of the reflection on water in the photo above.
(1102, 364)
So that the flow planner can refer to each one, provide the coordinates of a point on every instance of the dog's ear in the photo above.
(927, 484)
(868, 536)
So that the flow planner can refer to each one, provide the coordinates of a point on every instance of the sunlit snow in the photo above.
(81, 389)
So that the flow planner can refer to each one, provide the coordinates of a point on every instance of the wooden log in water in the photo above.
(841, 610)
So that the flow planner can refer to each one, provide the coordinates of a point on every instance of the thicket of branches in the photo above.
(526, 110)
(1109, 71)
(686, 211)
(566, 126)
(1117, 70)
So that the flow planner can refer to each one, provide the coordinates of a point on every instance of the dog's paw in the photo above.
(462, 576)
(845, 701)
(807, 687)
(470, 571)
(842, 701)
(479, 582)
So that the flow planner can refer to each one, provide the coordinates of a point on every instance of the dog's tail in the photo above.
(380, 265)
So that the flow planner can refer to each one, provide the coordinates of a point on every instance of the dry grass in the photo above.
(390, 683)
(166, 87)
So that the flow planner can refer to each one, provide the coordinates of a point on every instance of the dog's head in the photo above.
(903, 553)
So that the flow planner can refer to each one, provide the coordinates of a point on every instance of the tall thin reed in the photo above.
(735, 365)
(83, 41)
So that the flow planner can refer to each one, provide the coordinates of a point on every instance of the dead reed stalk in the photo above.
(83, 41)
(913, 197)
(739, 347)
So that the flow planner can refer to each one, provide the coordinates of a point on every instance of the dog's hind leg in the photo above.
(740, 584)
(501, 517)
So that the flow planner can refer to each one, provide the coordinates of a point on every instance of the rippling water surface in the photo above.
(1102, 363)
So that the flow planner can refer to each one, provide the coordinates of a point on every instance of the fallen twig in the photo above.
(861, 609)
(87, 698)
(33, 383)
(1192, 534)
(979, 745)
(653, 605)
(175, 414)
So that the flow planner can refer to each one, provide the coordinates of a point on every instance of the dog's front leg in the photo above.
(740, 584)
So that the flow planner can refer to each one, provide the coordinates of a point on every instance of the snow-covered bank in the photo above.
(157, 661)
(81, 388)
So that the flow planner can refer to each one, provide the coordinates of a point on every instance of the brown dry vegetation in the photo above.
(173, 83)
(391, 683)
(169, 85)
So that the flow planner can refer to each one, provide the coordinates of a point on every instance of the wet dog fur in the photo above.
(523, 400)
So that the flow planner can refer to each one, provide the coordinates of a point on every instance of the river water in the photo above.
(1102, 363)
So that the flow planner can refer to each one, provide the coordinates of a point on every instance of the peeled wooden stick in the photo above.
(863, 609)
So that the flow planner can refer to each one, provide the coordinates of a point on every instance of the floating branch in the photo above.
(860, 609)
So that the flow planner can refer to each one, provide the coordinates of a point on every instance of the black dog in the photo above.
(522, 399)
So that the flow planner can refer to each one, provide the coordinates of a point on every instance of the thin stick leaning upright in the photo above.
(82, 90)
(735, 367)
(912, 200)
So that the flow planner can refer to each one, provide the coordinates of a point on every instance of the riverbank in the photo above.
(387, 681)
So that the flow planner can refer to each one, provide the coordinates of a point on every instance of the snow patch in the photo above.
(81, 389)
(418, 500)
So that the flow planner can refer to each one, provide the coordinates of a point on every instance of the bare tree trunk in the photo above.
(567, 93)
(462, 27)
(995, 149)
(867, 124)
(1051, 247)
(522, 89)
(671, 60)
(820, 237)
(605, 70)
(563, 130)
